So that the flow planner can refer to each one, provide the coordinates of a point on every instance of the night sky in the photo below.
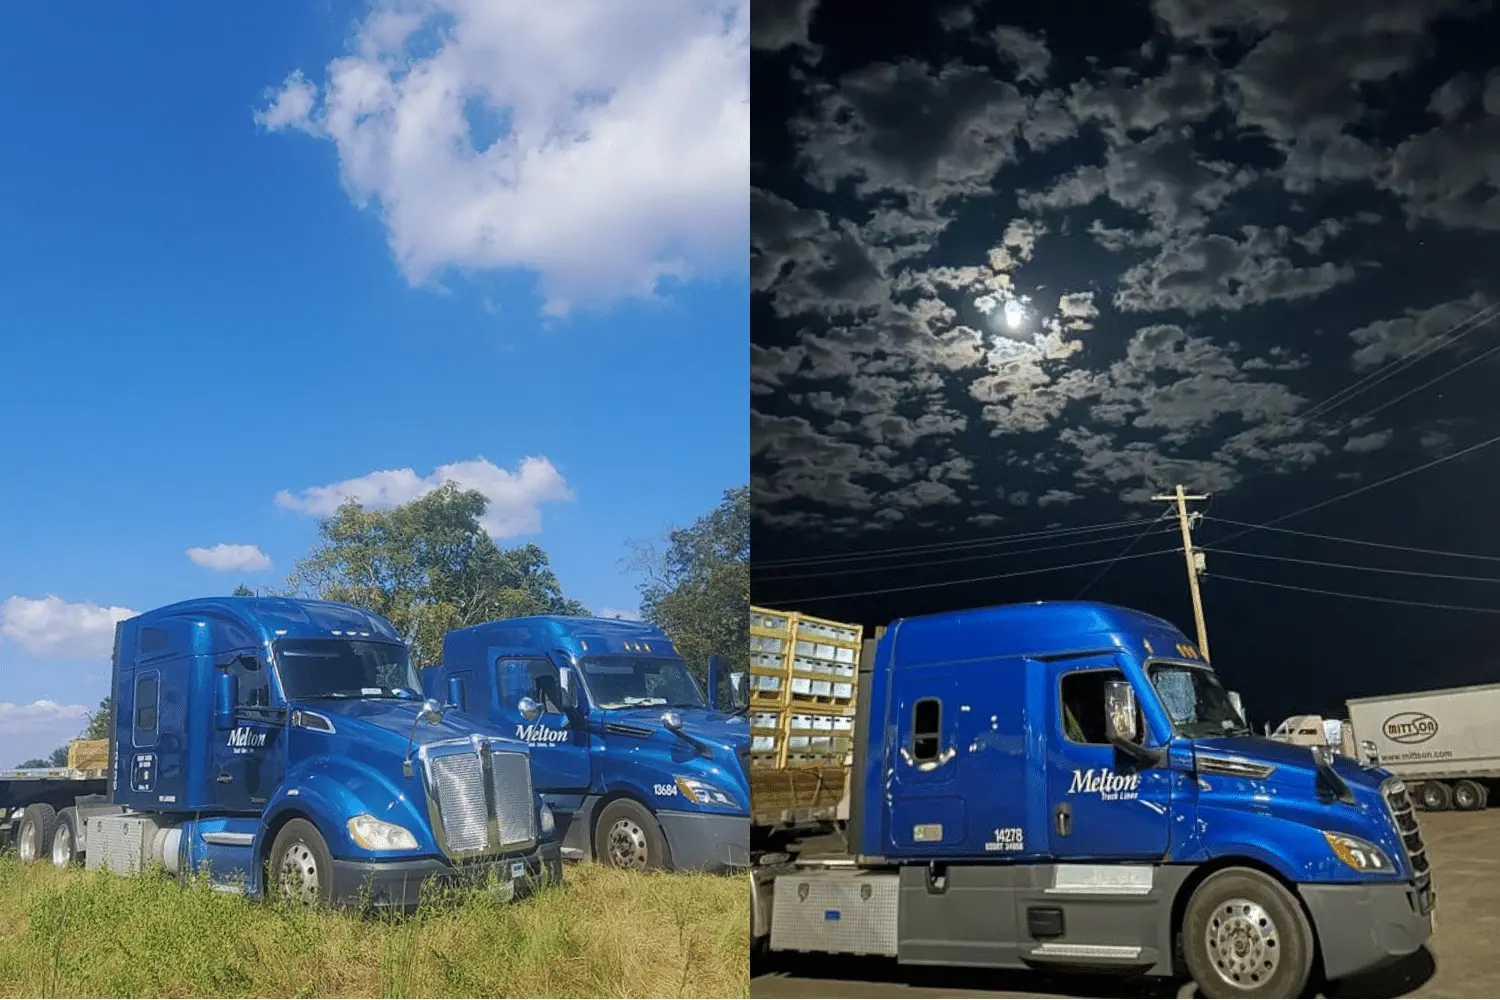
(1017, 267)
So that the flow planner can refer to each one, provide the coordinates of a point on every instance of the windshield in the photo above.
(630, 681)
(342, 668)
(1196, 702)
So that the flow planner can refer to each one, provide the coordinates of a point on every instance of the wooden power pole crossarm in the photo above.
(1181, 499)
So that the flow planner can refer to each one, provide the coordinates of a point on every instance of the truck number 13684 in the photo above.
(664, 790)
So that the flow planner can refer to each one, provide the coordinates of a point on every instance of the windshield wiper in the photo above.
(330, 696)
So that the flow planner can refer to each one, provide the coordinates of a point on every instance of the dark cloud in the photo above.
(781, 24)
(1024, 51)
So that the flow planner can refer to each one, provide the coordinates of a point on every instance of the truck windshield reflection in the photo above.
(640, 682)
(1196, 701)
(314, 669)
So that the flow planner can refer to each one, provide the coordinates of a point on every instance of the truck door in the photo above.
(249, 761)
(927, 808)
(559, 747)
(1102, 802)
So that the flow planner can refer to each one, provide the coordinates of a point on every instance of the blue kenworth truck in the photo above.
(642, 770)
(1069, 786)
(285, 745)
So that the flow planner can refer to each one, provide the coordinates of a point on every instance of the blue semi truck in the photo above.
(285, 745)
(639, 767)
(1069, 786)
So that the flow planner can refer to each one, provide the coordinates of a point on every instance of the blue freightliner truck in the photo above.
(641, 769)
(285, 744)
(1069, 786)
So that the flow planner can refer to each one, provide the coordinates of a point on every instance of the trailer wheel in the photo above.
(1245, 935)
(65, 852)
(1468, 795)
(626, 836)
(1435, 796)
(301, 866)
(34, 834)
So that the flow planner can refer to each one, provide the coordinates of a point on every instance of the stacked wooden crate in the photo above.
(88, 755)
(803, 677)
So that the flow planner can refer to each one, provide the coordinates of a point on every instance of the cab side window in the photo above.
(529, 678)
(926, 729)
(1081, 705)
(254, 682)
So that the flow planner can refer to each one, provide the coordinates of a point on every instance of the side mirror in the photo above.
(432, 712)
(529, 708)
(672, 721)
(456, 693)
(567, 688)
(226, 697)
(1120, 725)
(1239, 706)
(739, 689)
(713, 682)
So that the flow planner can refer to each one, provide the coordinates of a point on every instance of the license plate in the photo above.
(518, 869)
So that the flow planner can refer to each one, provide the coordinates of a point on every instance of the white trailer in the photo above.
(1444, 744)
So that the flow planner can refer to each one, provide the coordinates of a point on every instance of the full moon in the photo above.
(1015, 314)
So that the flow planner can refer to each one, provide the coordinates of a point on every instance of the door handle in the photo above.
(224, 778)
(1062, 817)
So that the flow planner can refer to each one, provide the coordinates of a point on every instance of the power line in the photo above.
(944, 546)
(1123, 553)
(1436, 378)
(1357, 541)
(1362, 569)
(1358, 597)
(1365, 488)
(973, 579)
(1427, 347)
(1007, 553)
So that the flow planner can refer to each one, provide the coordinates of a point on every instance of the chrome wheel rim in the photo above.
(1465, 797)
(1243, 944)
(28, 847)
(627, 845)
(299, 874)
(62, 847)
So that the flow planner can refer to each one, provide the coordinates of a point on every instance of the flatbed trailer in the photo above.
(31, 798)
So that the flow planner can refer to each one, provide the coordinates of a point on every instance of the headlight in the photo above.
(549, 823)
(377, 835)
(702, 793)
(1361, 855)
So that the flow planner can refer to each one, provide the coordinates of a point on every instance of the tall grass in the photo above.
(603, 933)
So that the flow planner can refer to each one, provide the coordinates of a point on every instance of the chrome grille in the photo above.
(515, 814)
(1404, 815)
(480, 801)
(459, 781)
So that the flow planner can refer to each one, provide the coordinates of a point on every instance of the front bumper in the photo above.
(1362, 927)
(709, 842)
(401, 885)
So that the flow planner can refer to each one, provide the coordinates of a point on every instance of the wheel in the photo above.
(1435, 796)
(626, 836)
(1468, 795)
(65, 852)
(34, 835)
(1245, 935)
(301, 867)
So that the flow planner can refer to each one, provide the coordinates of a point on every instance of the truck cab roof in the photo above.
(574, 634)
(1021, 629)
(236, 622)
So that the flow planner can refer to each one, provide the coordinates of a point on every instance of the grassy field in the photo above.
(603, 933)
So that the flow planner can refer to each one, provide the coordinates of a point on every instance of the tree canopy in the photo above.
(428, 567)
(696, 585)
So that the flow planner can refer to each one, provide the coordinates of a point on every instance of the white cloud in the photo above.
(40, 716)
(1366, 443)
(515, 497)
(604, 146)
(629, 616)
(225, 558)
(51, 626)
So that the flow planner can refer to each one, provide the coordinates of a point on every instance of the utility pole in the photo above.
(1194, 563)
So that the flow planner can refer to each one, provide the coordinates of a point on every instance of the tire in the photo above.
(1435, 796)
(1245, 935)
(64, 847)
(626, 835)
(34, 833)
(1468, 796)
(300, 868)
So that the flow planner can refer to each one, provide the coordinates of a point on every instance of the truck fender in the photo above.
(1262, 855)
(339, 789)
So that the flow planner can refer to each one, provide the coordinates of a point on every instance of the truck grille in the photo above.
(479, 800)
(1404, 815)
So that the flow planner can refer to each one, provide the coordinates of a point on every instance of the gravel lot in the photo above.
(1462, 962)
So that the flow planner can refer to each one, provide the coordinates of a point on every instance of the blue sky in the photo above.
(246, 258)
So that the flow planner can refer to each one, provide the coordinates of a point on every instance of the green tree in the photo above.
(696, 584)
(243, 591)
(428, 567)
(97, 725)
(58, 758)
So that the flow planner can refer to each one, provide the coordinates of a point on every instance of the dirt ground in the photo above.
(1461, 962)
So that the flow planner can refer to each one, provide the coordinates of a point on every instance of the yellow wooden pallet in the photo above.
(802, 668)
